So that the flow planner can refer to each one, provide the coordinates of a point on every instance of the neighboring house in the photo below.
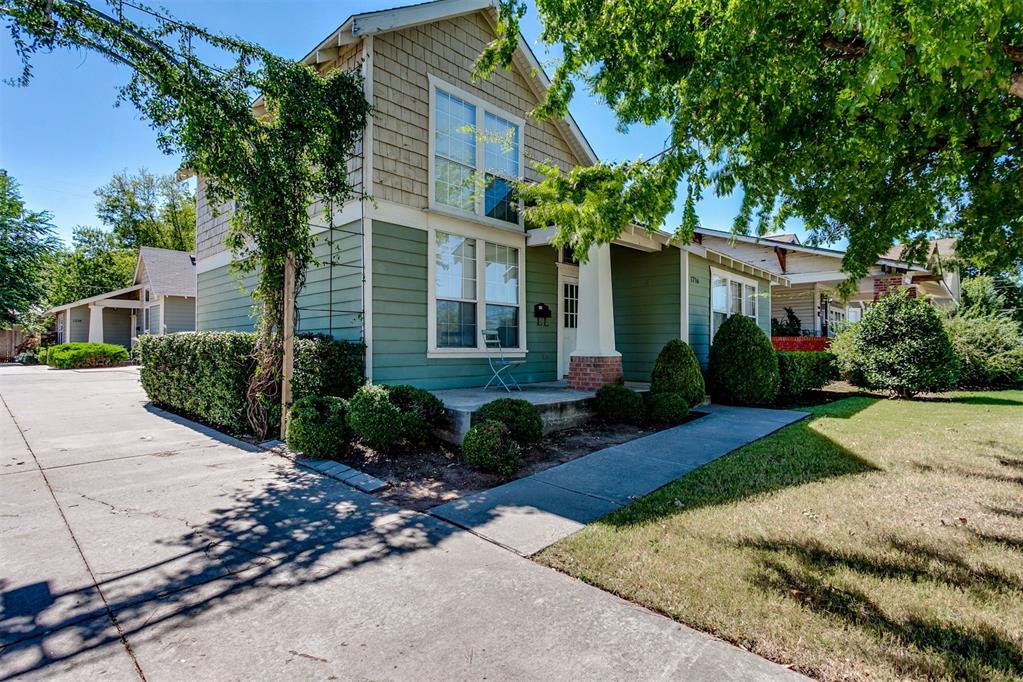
(814, 274)
(422, 269)
(161, 300)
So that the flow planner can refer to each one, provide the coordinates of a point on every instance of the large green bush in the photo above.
(386, 417)
(205, 375)
(901, 347)
(667, 408)
(617, 404)
(843, 347)
(318, 426)
(989, 348)
(803, 371)
(78, 355)
(677, 370)
(520, 416)
(489, 446)
(743, 364)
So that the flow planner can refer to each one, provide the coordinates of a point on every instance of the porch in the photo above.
(560, 407)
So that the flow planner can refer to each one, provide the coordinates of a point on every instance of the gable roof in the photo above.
(944, 248)
(170, 273)
(357, 26)
(784, 238)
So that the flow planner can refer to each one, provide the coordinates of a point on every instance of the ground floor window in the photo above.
(476, 286)
(731, 294)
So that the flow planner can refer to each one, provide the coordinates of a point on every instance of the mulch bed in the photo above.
(431, 476)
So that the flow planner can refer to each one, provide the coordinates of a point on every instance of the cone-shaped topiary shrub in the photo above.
(677, 370)
(520, 416)
(318, 426)
(743, 364)
(667, 408)
(901, 346)
(489, 446)
(617, 404)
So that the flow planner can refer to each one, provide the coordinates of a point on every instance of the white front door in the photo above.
(568, 320)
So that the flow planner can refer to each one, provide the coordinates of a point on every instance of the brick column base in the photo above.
(588, 373)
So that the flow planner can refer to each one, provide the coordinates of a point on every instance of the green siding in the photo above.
(330, 301)
(699, 304)
(647, 306)
(79, 330)
(117, 326)
(179, 314)
(400, 316)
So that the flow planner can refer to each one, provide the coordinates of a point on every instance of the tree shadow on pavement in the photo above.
(299, 528)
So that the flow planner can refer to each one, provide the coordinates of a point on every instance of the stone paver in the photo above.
(533, 512)
(164, 552)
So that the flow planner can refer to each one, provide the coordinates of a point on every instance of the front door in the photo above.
(568, 321)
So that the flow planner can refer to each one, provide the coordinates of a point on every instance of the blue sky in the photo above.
(62, 136)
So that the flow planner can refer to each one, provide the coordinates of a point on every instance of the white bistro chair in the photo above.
(500, 365)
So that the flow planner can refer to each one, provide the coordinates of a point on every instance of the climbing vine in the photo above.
(268, 134)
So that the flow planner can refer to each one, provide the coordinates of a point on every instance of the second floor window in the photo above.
(476, 156)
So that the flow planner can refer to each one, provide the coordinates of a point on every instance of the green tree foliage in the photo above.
(96, 263)
(989, 348)
(872, 121)
(743, 364)
(980, 297)
(274, 157)
(144, 209)
(26, 242)
(901, 347)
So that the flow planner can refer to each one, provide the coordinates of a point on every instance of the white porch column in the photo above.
(595, 361)
(95, 324)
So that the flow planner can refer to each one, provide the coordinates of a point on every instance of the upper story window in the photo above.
(731, 294)
(476, 155)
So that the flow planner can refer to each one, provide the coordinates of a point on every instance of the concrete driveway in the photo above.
(136, 547)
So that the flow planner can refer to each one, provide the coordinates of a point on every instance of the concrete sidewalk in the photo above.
(134, 547)
(531, 513)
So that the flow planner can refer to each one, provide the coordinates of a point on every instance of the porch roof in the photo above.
(127, 303)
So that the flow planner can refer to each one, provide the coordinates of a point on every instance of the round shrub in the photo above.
(374, 419)
(520, 416)
(676, 370)
(667, 408)
(900, 346)
(989, 348)
(318, 426)
(29, 357)
(489, 446)
(617, 404)
(743, 364)
(420, 411)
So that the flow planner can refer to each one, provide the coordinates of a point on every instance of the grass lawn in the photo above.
(880, 539)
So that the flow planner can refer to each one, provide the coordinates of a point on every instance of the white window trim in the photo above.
(728, 275)
(482, 106)
(432, 351)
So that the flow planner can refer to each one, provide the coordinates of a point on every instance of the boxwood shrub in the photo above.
(803, 371)
(77, 355)
(489, 446)
(318, 426)
(677, 370)
(205, 375)
(387, 417)
(617, 404)
(667, 408)
(520, 416)
(743, 364)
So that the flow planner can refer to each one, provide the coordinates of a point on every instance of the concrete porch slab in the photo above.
(560, 407)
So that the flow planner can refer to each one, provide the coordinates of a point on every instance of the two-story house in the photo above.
(441, 252)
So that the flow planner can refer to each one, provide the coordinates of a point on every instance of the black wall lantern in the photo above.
(542, 313)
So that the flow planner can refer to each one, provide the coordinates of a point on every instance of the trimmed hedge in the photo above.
(205, 375)
(617, 404)
(743, 364)
(667, 408)
(520, 416)
(318, 426)
(386, 417)
(900, 346)
(489, 446)
(78, 355)
(677, 370)
(803, 371)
